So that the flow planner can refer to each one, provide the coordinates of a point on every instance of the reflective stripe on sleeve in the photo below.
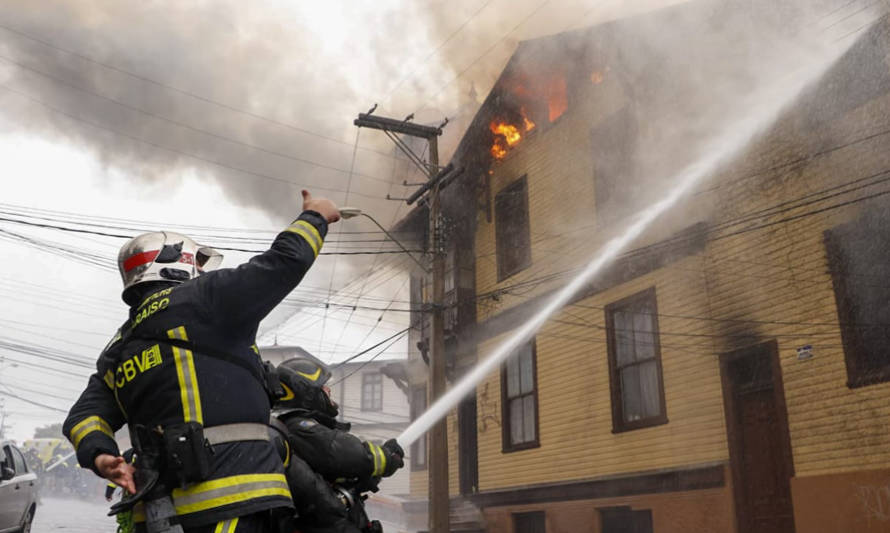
(87, 426)
(226, 526)
(188, 380)
(229, 490)
(379, 459)
(309, 233)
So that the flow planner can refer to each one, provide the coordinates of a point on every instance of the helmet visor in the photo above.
(207, 259)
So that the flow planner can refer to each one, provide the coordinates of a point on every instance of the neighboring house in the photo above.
(730, 372)
(372, 398)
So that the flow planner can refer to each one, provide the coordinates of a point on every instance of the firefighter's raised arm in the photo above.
(249, 292)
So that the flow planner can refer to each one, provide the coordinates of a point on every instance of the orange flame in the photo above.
(508, 135)
(597, 77)
(557, 101)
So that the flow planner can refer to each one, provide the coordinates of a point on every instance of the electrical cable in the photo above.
(363, 352)
(378, 354)
(223, 248)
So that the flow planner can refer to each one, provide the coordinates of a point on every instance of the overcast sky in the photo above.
(143, 115)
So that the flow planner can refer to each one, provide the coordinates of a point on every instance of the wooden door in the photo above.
(759, 442)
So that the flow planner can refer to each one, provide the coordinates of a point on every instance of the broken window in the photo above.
(860, 267)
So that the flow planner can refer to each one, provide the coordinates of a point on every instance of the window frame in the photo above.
(506, 445)
(17, 454)
(416, 463)
(373, 407)
(619, 425)
(502, 247)
(859, 374)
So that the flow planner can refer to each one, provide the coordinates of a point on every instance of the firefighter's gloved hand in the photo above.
(395, 456)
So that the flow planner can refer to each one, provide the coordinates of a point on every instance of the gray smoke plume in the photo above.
(289, 64)
(308, 68)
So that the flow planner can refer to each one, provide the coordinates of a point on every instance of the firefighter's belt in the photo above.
(236, 433)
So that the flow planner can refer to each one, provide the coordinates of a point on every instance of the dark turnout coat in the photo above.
(188, 353)
(323, 452)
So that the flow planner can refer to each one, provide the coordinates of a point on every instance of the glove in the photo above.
(395, 457)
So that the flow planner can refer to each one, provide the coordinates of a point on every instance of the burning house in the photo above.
(729, 371)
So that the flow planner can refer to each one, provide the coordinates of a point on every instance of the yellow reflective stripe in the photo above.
(226, 526)
(226, 482)
(306, 237)
(374, 453)
(313, 377)
(311, 229)
(382, 461)
(229, 490)
(234, 498)
(87, 426)
(188, 381)
(287, 453)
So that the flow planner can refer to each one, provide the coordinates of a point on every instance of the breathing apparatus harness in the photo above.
(181, 454)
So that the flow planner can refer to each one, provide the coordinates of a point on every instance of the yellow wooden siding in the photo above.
(574, 399)
(761, 285)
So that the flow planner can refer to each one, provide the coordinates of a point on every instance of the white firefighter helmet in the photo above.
(163, 256)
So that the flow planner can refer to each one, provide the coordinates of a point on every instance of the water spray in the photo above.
(720, 150)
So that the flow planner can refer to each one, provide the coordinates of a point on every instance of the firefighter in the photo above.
(185, 374)
(328, 467)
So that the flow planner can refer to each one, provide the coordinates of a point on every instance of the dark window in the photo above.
(419, 446)
(860, 270)
(372, 392)
(19, 461)
(450, 317)
(635, 363)
(529, 522)
(623, 520)
(6, 458)
(511, 228)
(519, 398)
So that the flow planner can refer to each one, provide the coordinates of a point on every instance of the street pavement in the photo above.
(73, 516)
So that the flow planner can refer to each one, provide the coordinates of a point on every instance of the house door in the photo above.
(467, 452)
(759, 442)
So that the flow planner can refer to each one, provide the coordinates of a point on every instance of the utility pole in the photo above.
(438, 178)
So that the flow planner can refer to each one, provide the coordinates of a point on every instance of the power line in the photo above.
(363, 352)
(32, 402)
(224, 248)
(378, 354)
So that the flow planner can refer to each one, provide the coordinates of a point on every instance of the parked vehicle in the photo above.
(18, 490)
